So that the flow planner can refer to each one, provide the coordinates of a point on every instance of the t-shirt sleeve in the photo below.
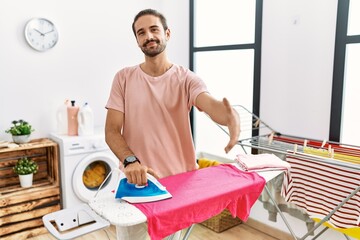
(116, 98)
(196, 86)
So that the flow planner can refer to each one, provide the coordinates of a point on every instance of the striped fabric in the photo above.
(319, 187)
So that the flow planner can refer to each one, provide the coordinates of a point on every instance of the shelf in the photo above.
(21, 209)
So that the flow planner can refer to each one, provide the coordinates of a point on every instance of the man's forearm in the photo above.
(221, 113)
(118, 144)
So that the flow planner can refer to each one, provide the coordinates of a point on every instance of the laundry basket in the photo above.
(224, 220)
(221, 222)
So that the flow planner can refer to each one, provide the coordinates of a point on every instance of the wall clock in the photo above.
(41, 34)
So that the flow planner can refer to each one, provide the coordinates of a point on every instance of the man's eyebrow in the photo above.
(154, 26)
(140, 30)
(151, 27)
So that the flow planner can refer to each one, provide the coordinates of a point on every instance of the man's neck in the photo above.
(156, 66)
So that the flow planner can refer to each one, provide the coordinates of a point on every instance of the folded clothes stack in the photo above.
(251, 162)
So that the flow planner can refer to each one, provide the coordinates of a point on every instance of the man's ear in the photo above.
(167, 34)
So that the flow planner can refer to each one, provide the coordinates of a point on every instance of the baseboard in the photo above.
(274, 232)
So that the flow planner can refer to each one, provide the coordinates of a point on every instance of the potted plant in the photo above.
(20, 131)
(25, 168)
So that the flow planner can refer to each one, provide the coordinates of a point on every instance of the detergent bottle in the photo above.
(61, 118)
(72, 116)
(86, 120)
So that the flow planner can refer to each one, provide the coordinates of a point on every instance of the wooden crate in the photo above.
(21, 209)
(221, 222)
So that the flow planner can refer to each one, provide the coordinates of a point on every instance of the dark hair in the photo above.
(150, 12)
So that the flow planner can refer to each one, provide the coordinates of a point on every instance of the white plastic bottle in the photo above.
(61, 118)
(86, 120)
(72, 115)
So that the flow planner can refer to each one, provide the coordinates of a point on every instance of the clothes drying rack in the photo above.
(257, 136)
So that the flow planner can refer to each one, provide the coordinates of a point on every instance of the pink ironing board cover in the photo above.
(201, 194)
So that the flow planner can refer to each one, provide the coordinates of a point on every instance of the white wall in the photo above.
(96, 40)
(297, 66)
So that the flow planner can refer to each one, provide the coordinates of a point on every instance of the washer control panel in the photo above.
(71, 145)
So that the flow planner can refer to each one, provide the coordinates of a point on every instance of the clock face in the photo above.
(41, 34)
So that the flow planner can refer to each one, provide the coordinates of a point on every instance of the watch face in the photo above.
(131, 159)
(41, 34)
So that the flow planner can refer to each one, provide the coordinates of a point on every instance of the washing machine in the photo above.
(85, 162)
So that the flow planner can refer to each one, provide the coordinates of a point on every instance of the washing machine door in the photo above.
(91, 172)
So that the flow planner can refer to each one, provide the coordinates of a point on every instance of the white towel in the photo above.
(250, 162)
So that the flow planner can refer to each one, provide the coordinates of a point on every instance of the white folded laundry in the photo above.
(250, 162)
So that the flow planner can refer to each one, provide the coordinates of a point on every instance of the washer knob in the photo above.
(98, 145)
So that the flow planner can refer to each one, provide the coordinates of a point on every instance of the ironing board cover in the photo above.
(201, 194)
(116, 211)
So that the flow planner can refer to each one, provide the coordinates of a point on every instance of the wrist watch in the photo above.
(130, 159)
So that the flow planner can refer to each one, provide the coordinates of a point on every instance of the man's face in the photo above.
(150, 35)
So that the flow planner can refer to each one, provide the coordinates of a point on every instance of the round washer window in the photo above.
(90, 173)
(95, 174)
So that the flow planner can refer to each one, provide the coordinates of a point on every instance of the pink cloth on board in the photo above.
(201, 194)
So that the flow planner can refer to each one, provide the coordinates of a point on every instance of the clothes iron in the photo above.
(133, 193)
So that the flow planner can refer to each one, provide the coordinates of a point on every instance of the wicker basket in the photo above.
(221, 222)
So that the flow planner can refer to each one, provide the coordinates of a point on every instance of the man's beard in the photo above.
(152, 52)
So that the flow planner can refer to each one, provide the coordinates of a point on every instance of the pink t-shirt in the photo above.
(201, 194)
(156, 116)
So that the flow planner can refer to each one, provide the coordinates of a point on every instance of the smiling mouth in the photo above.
(150, 43)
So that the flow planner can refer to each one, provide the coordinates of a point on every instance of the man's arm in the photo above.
(134, 172)
(222, 113)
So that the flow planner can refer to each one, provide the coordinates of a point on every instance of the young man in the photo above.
(147, 124)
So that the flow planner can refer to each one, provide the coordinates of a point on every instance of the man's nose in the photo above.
(149, 36)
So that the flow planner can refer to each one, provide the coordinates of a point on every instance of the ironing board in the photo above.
(104, 210)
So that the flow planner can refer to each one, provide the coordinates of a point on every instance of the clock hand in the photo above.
(48, 32)
(39, 32)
